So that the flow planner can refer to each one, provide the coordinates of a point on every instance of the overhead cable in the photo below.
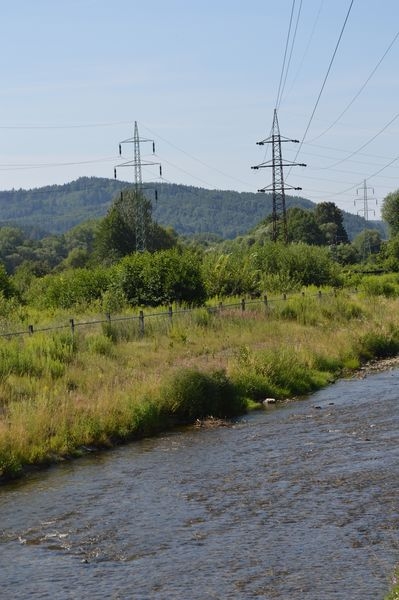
(290, 56)
(324, 81)
(359, 92)
(364, 145)
(285, 55)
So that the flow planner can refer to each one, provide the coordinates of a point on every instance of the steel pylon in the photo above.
(140, 204)
(277, 187)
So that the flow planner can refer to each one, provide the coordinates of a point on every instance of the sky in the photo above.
(202, 78)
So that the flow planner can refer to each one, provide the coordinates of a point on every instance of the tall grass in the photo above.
(60, 393)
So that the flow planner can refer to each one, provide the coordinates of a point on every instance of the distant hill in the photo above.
(189, 210)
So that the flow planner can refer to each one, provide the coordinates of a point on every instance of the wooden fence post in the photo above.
(72, 325)
(170, 314)
(141, 323)
(265, 300)
(242, 304)
(30, 329)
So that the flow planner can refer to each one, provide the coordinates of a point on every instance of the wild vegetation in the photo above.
(66, 389)
(189, 210)
(62, 392)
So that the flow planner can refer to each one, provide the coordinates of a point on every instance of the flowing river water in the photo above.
(296, 502)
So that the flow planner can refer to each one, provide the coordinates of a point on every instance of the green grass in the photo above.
(394, 592)
(61, 392)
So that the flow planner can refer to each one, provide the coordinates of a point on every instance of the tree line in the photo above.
(98, 262)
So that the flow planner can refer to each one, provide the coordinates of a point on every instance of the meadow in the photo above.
(64, 392)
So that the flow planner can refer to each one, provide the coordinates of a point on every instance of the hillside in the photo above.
(189, 210)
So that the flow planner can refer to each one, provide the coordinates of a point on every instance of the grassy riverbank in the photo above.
(394, 593)
(61, 394)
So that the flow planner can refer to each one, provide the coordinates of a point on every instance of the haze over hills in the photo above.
(189, 210)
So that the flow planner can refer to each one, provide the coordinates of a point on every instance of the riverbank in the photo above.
(64, 395)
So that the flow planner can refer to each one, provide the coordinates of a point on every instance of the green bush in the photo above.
(256, 386)
(378, 345)
(276, 373)
(380, 285)
(191, 395)
(69, 289)
(160, 278)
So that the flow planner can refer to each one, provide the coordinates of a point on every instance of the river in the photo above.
(295, 502)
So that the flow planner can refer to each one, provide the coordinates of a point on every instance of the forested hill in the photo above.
(189, 210)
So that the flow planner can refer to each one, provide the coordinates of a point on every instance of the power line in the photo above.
(81, 126)
(285, 55)
(366, 179)
(360, 90)
(307, 45)
(324, 81)
(189, 174)
(23, 166)
(290, 56)
(198, 160)
(365, 144)
(342, 150)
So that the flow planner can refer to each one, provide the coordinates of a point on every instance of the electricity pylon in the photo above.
(137, 163)
(365, 210)
(278, 187)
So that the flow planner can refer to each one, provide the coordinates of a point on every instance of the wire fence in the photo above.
(142, 319)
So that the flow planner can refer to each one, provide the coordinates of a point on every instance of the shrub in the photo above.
(191, 395)
(277, 373)
(378, 345)
(380, 285)
(160, 278)
(69, 289)
(100, 344)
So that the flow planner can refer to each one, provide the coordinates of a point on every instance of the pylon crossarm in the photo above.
(269, 188)
(269, 163)
(132, 163)
(265, 164)
(270, 140)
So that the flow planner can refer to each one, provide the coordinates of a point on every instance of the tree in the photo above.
(303, 227)
(390, 212)
(330, 219)
(345, 254)
(367, 242)
(116, 234)
(82, 236)
(6, 288)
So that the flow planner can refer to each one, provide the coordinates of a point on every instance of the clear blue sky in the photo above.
(201, 77)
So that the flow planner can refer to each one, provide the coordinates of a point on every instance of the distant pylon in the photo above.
(278, 187)
(140, 220)
(365, 210)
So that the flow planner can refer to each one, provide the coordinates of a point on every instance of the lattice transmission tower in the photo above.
(365, 210)
(278, 187)
(140, 204)
(366, 250)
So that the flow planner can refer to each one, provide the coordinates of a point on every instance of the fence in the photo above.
(141, 318)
